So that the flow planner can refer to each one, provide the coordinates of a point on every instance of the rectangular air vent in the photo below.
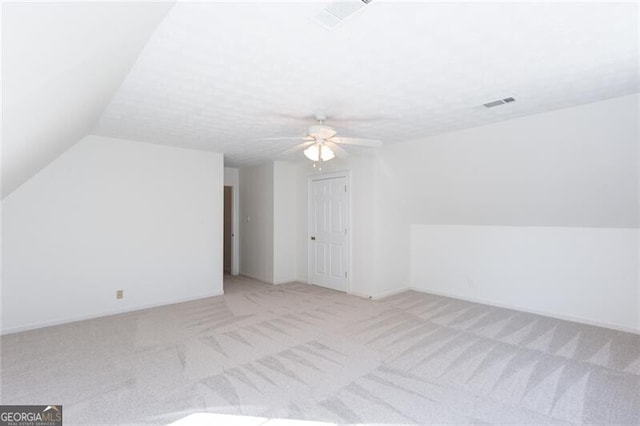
(493, 104)
(335, 13)
(499, 102)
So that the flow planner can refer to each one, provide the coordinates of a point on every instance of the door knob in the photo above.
(313, 238)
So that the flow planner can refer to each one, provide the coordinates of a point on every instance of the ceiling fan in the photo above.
(322, 144)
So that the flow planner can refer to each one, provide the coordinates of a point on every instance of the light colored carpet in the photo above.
(302, 352)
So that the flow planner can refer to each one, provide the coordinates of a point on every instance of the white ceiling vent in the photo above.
(336, 13)
(499, 102)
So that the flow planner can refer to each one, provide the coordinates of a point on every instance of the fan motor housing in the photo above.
(321, 132)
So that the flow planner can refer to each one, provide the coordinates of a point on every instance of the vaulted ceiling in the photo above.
(61, 65)
(220, 76)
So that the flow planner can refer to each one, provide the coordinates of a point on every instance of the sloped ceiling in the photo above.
(221, 75)
(61, 64)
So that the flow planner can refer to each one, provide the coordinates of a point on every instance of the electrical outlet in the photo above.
(119, 294)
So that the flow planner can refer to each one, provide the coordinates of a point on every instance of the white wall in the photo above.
(232, 179)
(111, 214)
(586, 274)
(61, 64)
(637, 120)
(544, 212)
(285, 215)
(256, 222)
(572, 167)
(268, 228)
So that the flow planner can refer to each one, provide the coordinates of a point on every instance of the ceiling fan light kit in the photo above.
(319, 152)
(321, 142)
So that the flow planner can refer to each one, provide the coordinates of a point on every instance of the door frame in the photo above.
(346, 174)
(233, 270)
(235, 222)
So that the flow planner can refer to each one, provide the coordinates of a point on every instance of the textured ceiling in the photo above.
(219, 76)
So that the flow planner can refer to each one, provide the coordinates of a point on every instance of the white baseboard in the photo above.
(355, 293)
(104, 314)
(285, 281)
(253, 277)
(389, 293)
(532, 311)
(262, 280)
(378, 296)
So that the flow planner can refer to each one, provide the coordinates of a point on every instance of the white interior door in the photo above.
(328, 229)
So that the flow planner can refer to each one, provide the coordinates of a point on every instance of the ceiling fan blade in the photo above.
(337, 149)
(293, 138)
(374, 143)
(299, 147)
(291, 116)
(338, 118)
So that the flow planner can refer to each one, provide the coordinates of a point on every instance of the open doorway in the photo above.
(228, 229)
